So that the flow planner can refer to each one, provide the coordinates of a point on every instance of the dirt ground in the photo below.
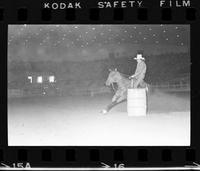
(77, 121)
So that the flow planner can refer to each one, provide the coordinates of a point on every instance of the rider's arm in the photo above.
(141, 69)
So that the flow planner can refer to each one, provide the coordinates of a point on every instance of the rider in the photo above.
(140, 70)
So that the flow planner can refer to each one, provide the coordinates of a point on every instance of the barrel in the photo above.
(137, 102)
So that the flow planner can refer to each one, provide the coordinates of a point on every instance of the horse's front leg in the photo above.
(121, 99)
(117, 99)
(111, 105)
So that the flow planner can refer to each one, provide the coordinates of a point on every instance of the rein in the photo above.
(126, 75)
(113, 87)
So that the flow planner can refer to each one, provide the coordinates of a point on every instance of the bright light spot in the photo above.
(51, 79)
(30, 78)
(39, 79)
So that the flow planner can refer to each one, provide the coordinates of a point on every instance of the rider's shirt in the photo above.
(140, 69)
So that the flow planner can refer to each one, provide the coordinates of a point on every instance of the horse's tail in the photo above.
(148, 87)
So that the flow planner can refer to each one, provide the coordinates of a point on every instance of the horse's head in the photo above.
(113, 77)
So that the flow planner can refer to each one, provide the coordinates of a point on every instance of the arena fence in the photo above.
(168, 87)
(172, 87)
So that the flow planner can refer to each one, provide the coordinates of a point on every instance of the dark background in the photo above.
(160, 69)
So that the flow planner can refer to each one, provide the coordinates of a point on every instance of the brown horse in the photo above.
(123, 84)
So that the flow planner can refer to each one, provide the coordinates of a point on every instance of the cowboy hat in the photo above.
(139, 56)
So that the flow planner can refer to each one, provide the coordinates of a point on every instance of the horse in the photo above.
(123, 84)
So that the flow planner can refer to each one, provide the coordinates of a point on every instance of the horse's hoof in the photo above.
(104, 111)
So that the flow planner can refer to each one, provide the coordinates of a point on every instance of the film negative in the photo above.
(100, 85)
